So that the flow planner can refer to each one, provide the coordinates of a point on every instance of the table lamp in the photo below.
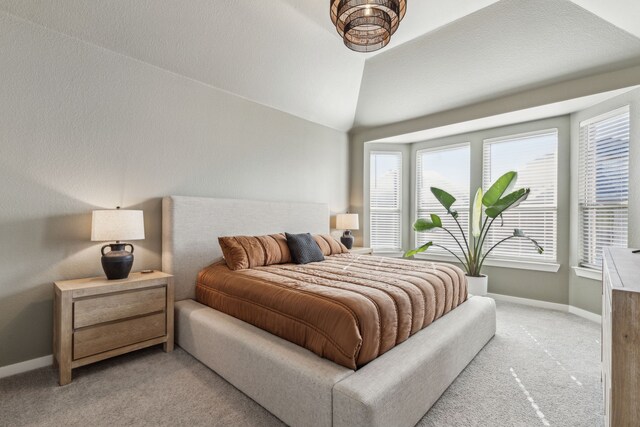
(117, 224)
(347, 222)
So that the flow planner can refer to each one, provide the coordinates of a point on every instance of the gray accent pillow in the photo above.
(303, 248)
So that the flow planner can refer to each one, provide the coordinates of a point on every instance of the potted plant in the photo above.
(487, 207)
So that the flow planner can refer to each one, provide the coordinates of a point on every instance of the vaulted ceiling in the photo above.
(285, 53)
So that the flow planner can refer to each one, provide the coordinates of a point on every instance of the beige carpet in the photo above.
(542, 368)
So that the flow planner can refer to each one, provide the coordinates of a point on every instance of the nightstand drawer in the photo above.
(101, 338)
(101, 309)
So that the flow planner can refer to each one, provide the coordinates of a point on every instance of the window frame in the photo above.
(582, 268)
(400, 209)
(519, 261)
(416, 200)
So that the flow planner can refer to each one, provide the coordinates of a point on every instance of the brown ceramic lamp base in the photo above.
(117, 263)
(347, 239)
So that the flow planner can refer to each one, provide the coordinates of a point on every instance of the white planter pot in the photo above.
(478, 285)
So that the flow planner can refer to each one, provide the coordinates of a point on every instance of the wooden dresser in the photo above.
(621, 337)
(96, 318)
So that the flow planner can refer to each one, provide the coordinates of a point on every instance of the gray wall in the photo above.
(545, 286)
(82, 127)
(586, 293)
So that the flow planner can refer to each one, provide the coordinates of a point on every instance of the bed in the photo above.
(299, 387)
(348, 308)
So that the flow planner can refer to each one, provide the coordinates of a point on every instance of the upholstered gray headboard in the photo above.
(191, 227)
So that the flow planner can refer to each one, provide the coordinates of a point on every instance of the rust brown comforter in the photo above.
(349, 309)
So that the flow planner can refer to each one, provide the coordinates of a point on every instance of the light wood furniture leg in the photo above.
(56, 323)
(64, 337)
(168, 346)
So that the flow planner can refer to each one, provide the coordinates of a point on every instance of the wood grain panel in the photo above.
(621, 337)
(625, 359)
(118, 351)
(101, 287)
(168, 345)
(112, 307)
(105, 337)
(62, 336)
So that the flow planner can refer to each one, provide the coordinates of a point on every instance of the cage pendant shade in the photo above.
(367, 25)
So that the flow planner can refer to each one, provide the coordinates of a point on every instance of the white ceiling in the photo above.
(624, 14)
(285, 53)
(498, 50)
(424, 16)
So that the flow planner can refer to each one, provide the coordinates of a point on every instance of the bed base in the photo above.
(297, 386)
(302, 389)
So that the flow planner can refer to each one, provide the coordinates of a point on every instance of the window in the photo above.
(603, 181)
(447, 168)
(535, 157)
(385, 201)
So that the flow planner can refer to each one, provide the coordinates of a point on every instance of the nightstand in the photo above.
(361, 251)
(96, 318)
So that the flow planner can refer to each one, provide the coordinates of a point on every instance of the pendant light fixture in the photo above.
(367, 25)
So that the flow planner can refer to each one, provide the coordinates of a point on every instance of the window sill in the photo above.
(588, 273)
(519, 265)
(548, 267)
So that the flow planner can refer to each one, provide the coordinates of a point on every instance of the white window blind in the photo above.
(603, 180)
(535, 157)
(385, 201)
(447, 168)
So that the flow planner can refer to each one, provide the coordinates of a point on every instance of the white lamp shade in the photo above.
(117, 225)
(347, 222)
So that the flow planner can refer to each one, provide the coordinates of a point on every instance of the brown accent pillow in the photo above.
(242, 252)
(329, 245)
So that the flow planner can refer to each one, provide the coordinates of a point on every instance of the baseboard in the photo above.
(586, 314)
(549, 305)
(530, 302)
(27, 365)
